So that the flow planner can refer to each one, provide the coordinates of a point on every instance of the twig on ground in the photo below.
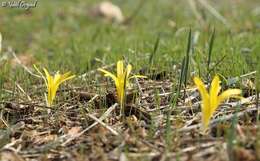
(10, 50)
(104, 116)
(22, 90)
(103, 124)
(2, 119)
(222, 119)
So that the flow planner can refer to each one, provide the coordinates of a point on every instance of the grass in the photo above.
(165, 41)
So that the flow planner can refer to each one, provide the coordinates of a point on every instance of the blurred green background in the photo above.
(61, 35)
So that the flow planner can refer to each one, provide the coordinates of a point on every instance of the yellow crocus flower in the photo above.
(211, 100)
(121, 79)
(53, 83)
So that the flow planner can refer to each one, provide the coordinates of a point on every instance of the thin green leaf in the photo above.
(211, 42)
(155, 48)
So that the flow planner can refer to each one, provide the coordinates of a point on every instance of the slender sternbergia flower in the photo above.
(121, 79)
(211, 100)
(53, 83)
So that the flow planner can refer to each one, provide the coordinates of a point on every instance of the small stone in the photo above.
(107, 11)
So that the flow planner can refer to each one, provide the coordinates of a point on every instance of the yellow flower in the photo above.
(53, 83)
(211, 100)
(121, 79)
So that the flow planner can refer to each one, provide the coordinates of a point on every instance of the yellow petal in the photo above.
(228, 94)
(47, 76)
(206, 115)
(214, 90)
(55, 85)
(50, 84)
(128, 70)
(202, 89)
(138, 76)
(205, 106)
(67, 76)
(121, 80)
(108, 74)
(120, 68)
(57, 78)
(120, 93)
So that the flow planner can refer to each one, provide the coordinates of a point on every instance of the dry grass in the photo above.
(87, 126)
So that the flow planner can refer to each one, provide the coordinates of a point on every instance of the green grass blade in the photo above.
(188, 53)
(155, 48)
(182, 73)
(211, 43)
(231, 135)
